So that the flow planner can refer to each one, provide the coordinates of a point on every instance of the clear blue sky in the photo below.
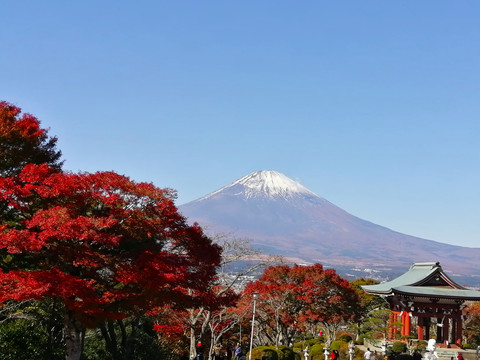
(374, 105)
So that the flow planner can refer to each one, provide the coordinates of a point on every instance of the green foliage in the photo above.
(309, 343)
(28, 338)
(377, 324)
(399, 347)
(31, 330)
(368, 302)
(404, 357)
(272, 353)
(341, 347)
(316, 352)
(419, 345)
(137, 335)
(338, 345)
(304, 337)
(358, 355)
(268, 351)
(22, 339)
(360, 340)
(288, 353)
(94, 347)
(345, 337)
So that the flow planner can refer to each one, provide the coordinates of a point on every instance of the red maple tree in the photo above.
(23, 141)
(108, 247)
(299, 299)
(472, 322)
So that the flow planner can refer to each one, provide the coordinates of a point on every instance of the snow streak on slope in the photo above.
(266, 183)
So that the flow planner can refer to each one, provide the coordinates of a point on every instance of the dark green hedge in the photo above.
(272, 353)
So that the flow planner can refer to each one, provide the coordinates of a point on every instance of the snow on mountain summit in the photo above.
(265, 183)
(271, 183)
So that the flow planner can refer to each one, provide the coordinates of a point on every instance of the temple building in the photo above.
(427, 297)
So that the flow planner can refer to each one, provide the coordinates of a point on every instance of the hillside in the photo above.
(281, 216)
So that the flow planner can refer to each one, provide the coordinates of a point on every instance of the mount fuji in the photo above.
(281, 216)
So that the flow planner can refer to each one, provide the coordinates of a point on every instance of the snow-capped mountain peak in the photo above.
(265, 183)
(271, 183)
(280, 216)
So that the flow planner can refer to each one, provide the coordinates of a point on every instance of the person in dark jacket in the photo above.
(237, 352)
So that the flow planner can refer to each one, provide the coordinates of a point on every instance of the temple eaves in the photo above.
(424, 280)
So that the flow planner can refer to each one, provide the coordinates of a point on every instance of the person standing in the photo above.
(334, 355)
(237, 352)
(368, 354)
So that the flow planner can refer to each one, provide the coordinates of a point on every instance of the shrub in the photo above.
(404, 357)
(316, 352)
(399, 347)
(359, 355)
(335, 345)
(303, 337)
(345, 337)
(304, 343)
(268, 351)
(272, 353)
(360, 340)
(341, 347)
(419, 345)
(24, 339)
(288, 353)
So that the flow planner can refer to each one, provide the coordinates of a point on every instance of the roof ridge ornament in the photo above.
(431, 265)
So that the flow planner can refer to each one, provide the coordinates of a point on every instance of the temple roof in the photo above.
(424, 280)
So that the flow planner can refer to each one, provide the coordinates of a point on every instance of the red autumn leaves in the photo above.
(105, 245)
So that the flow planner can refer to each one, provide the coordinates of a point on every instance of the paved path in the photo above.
(443, 353)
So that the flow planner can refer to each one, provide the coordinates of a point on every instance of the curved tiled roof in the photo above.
(424, 280)
(432, 292)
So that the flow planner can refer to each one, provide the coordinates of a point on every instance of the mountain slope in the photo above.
(283, 217)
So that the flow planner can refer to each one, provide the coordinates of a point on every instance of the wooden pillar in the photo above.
(446, 329)
(420, 328)
(458, 330)
(420, 332)
(406, 323)
(394, 324)
(427, 328)
(403, 329)
(391, 325)
(454, 330)
(439, 331)
(402, 319)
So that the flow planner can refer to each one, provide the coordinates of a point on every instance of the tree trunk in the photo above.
(129, 341)
(74, 335)
(193, 350)
(194, 316)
